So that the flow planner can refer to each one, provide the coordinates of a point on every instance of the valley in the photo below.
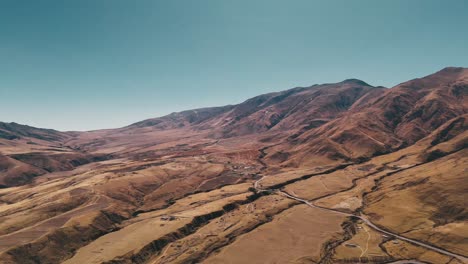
(331, 173)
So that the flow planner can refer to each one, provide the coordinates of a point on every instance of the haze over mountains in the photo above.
(204, 185)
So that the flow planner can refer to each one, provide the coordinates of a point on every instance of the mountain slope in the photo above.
(208, 184)
(11, 131)
(27, 152)
(394, 119)
(278, 111)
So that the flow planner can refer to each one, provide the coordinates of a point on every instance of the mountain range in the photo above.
(382, 169)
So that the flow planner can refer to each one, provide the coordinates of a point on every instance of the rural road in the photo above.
(407, 262)
(368, 223)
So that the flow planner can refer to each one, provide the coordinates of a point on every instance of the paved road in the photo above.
(368, 222)
(409, 261)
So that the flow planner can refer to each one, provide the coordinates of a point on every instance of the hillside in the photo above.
(331, 173)
(27, 152)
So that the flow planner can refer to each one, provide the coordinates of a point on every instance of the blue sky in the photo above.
(89, 64)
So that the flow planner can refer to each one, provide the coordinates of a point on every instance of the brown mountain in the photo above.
(393, 119)
(280, 111)
(384, 171)
(12, 131)
(27, 152)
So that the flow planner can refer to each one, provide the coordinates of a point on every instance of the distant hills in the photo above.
(320, 124)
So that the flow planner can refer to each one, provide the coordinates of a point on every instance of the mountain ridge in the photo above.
(227, 177)
(308, 123)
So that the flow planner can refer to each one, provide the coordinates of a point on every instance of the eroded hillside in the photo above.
(332, 173)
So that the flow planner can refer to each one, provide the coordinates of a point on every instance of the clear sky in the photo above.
(89, 64)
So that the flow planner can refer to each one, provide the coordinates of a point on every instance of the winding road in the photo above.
(463, 259)
(410, 261)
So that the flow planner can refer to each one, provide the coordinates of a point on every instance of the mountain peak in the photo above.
(355, 81)
(452, 69)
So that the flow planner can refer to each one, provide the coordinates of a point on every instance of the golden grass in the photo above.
(297, 233)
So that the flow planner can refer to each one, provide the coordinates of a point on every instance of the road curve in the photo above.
(373, 226)
(365, 220)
